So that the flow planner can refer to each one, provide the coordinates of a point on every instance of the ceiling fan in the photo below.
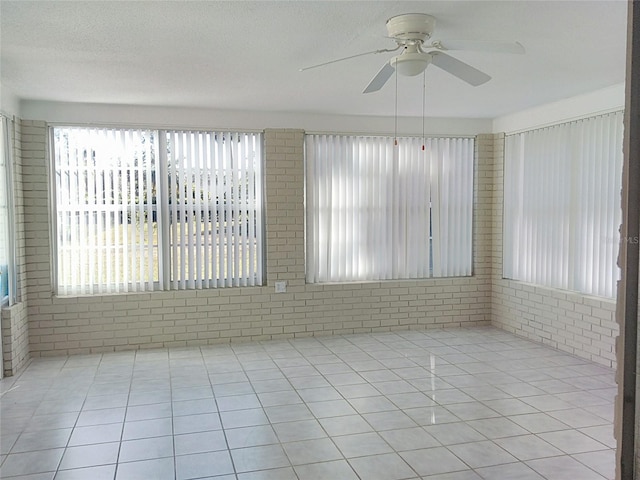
(410, 32)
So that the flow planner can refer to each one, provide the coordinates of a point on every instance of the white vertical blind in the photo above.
(105, 203)
(215, 193)
(373, 208)
(452, 205)
(562, 205)
(8, 284)
(140, 209)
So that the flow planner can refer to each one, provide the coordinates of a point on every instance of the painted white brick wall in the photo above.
(15, 338)
(578, 324)
(14, 326)
(60, 325)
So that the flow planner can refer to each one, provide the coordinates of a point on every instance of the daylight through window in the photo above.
(562, 205)
(376, 211)
(140, 210)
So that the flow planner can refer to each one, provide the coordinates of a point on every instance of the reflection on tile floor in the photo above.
(459, 404)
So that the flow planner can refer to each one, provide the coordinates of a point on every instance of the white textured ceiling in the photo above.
(246, 55)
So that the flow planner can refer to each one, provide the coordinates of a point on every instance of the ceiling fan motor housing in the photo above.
(411, 26)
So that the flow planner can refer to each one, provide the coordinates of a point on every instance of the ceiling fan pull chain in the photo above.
(395, 127)
(424, 105)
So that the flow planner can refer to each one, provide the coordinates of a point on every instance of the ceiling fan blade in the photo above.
(462, 70)
(349, 58)
(380, 79)
(480, 46)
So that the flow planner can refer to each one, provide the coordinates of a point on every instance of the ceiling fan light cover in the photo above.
(411, 64)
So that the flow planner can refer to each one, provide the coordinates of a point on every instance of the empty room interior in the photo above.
(307, 240)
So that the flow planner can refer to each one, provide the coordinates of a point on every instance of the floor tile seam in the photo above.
(500, 437)
(330, 437)
(570, 429)
(445, 406)
(47, 471)
(11, 452)
(613, 450)
(178, 455)
(562, 455)
(604, 420)
(223, 428)
(91, 466)
(528, 462)
(518, 396)
(118, 463)
(122, 433)
(594, 438)
(244, 371)
(538, 437)
(342, 397)
(511, 415)
(125, 407)
(343, 457)
(515, 460)
(321, 375)
(70, 434)
(401, 458)
(477, 470)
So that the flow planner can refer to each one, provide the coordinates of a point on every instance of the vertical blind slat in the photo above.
(205, 187)
(7, 247)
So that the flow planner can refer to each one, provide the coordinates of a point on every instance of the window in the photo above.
(8, 286)
(214, 203)
(376, 211)
(140, 210)
(562, 205)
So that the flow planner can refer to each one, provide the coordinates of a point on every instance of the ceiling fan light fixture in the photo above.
(411, 64)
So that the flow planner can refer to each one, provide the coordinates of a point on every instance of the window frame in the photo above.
(586, 238)
(164, 260)
(398, 151)
(7, 131)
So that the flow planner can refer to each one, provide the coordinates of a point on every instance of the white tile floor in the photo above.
(462, 404)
